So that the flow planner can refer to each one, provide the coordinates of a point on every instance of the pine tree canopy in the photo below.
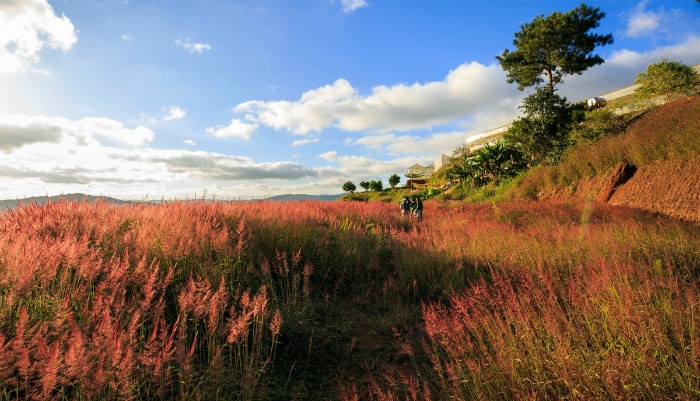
(554, 46)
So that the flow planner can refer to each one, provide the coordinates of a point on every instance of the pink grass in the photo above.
(520, 300)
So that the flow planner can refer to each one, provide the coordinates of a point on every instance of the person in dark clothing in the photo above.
(405, 206)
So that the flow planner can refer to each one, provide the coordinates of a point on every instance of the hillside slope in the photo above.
(667, 187)
(655, 165)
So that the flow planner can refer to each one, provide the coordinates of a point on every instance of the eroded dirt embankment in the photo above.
(671, 188)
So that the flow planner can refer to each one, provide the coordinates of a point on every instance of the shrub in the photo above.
(596, 123)
(667, 78)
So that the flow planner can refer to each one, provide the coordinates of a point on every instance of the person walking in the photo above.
(405, 206)
(419, 209)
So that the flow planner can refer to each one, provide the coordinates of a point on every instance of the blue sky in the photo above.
(239, 99)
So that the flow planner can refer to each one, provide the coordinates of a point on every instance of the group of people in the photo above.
(413, 207)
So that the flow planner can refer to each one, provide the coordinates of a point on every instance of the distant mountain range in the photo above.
(9, 204)
(40, 200)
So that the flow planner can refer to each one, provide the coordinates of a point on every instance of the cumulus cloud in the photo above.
(352, 5)
(43, 151)
(174, 113)
(15, 136)
(280, 170)
(28, 26)
(641, 22)
(235, 129)
(97, 155)
(369, 168)
(188, 45)
(189, 142)
(23, 129)
(218, 167)
(314, 111)
(621, 68)
(686, 52)
(469, 89)
(432, 144)
(113, 131)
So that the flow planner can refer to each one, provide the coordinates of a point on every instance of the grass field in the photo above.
(347, 300)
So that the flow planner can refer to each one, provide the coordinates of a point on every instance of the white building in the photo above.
(491, 136)
(427, 171)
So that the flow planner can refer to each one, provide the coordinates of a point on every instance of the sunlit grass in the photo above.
(259, 300)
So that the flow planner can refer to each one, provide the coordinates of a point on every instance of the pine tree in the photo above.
(557, 45)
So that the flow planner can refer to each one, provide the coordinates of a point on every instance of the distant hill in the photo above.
(298, 197)
(8, 204)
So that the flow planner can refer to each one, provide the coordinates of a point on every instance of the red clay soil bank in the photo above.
(671, 188)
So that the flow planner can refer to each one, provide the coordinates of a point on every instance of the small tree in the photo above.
(349, 187)
(542, 134)
(376, 185)
(394, 180)
(365, 185)
(499, 160)
(471, 168)
(460, 152)
(666, 78)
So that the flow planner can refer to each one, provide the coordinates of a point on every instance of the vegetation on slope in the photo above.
(669, 132)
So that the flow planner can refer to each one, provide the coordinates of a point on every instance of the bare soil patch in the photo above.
(670, 187)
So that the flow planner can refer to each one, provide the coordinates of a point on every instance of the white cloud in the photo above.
(621, 68)
(330, 156)
(315, 110)
(433, 144)
(236, 129)
(189, 142)
(641, 22)
(126, 38)
(686, 52)
(52, 155)
(301, 142)
(470, 89)
(352, 5)
(27, 26)
(193, 47)
(112, 130)
(89, 130)
(174, 113)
